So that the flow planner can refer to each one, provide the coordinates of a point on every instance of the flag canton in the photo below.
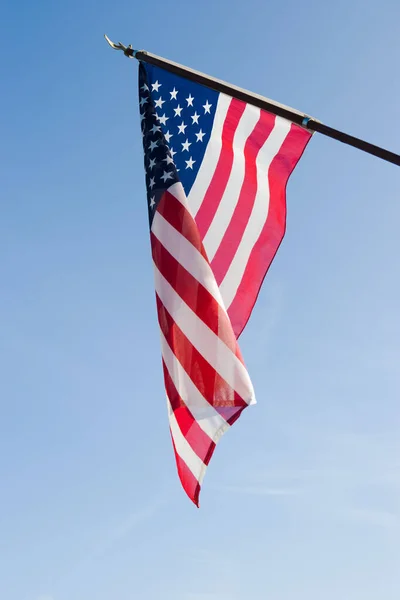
(177, 117)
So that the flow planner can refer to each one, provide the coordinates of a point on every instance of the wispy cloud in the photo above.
(378, 518)
(352, 477)
(259, 490)
(113, 537)
(125, 527)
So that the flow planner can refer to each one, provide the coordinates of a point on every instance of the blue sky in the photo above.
(302, 497)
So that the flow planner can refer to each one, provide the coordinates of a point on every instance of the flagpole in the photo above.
(264, 103)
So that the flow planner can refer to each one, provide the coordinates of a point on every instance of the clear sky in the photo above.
(301, 500)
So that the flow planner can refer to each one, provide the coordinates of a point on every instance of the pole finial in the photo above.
(127, 50)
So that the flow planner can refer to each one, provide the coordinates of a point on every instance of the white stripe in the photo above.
(178, 192)
(230, 198)
(210, 346)
(211, 156)
(208, 419)
(184, 449)
(259, 213)
(187, 255)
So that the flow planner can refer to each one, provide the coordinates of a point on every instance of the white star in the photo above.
(168, 136)
(142, 117)
(167, 175)
(207, 107)
(195, 118)
(155, 128)
(168, 159)
(178, 111)
(185, 145)
(172, 151)
(152, 163)
(173, 94)
(163, 120)
(152, 182)
(153, 145)
(143, 101)
(190, 163)
(152, 201)
(200, 136)
(158, 103)
(182, 127)
(189, 100)
(145, 87)
(155, 86)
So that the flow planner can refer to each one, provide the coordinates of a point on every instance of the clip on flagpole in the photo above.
(264, 103)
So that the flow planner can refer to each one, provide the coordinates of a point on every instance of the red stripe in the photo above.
(218, 393)
(222, 172)
(273, 231)
(188, 480)
(199, 441)
(234, 232)
(196, 296)
(179, 217)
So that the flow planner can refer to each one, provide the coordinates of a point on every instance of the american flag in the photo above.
(216, 174)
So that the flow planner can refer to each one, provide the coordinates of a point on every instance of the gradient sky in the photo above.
(302, 498)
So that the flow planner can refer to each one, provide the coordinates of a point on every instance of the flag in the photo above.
(216, 172)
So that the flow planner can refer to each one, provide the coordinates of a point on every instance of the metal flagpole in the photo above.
(264, 103)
